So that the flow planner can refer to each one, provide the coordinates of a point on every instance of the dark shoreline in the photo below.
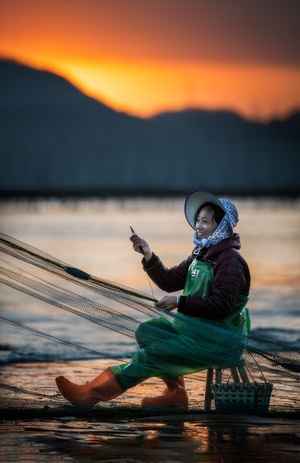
(140, 194)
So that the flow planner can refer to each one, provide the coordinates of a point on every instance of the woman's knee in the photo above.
(152, 330)
(140, 334)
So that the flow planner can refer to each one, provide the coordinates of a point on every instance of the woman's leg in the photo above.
(106, 386)
(166, 355)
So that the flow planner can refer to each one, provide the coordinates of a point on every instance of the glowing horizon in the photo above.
(144, 89)
(147, 57)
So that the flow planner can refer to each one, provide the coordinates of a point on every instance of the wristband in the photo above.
(178, 300)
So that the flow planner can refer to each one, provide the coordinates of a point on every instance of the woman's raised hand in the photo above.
(141, 246)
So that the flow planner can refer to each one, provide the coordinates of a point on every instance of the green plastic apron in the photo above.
(186, 344)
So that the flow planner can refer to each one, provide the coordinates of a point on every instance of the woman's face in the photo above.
(205, 224)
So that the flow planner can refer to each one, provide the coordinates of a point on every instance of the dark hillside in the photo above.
(56, 140)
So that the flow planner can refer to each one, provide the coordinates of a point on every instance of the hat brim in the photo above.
(194, 200)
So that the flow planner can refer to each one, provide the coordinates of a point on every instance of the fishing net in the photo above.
(68, 314)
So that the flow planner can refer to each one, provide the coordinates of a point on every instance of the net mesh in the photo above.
(69, 314)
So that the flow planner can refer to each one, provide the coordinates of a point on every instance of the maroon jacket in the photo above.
(231, 279)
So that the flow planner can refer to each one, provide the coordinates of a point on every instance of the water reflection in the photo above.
(168, 441)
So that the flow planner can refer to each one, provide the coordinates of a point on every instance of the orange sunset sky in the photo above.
(143, 57)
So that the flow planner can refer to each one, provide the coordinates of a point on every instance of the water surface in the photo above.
(93, 235)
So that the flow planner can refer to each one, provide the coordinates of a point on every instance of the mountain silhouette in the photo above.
(56, 140)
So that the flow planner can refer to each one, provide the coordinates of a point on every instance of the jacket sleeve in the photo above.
(167, 279)
(231, 279)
